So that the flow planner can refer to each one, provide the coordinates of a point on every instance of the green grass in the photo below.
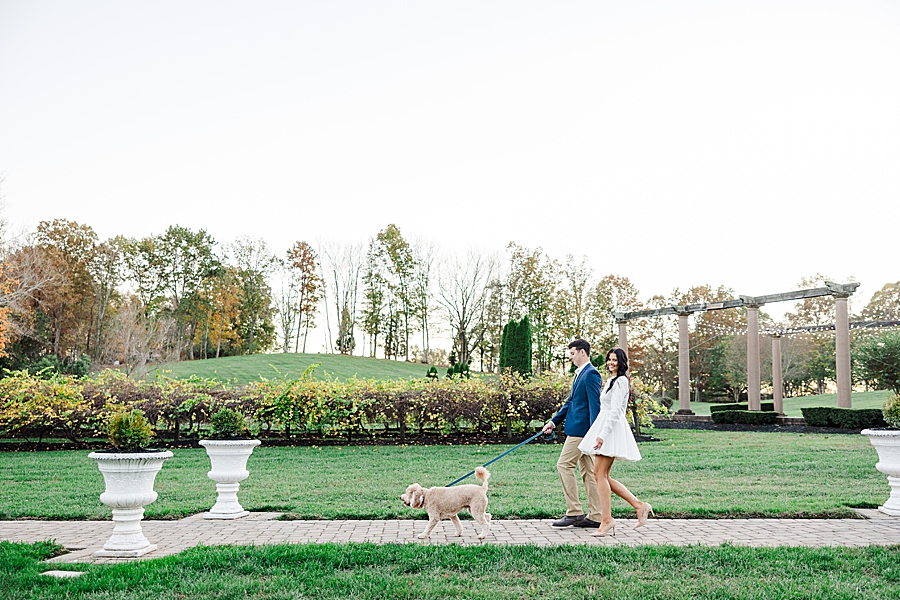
(367, 571)
(243, 369)
(792, 406)
(690, 474)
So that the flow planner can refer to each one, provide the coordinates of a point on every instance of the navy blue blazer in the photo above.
(583, 404)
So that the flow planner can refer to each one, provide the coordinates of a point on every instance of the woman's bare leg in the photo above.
(622, 492)
(602, 465)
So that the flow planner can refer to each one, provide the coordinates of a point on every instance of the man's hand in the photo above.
(550, 426)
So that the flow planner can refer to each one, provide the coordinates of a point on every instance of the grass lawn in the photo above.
(367, 571)
(243, 369)
(792, 406)
(690, 473)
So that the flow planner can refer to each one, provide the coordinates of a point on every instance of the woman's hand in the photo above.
(598, 444)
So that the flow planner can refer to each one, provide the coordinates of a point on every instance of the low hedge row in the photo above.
(76, 408)
(845, 418)
(744, 417)
(768, 406)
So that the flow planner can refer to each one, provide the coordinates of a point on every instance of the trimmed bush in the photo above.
(763, 406)
(845, 418)
(891, 412)
(129, 431)
(744, 417)
(227, 424)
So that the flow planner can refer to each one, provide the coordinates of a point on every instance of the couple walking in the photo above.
(597, 433)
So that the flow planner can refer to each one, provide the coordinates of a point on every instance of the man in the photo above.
(579, 411)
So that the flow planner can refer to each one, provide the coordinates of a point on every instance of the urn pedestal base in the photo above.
(129, 478)
(887, 444)
(229, 467)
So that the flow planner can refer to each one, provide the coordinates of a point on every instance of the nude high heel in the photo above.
(605, 529)
(645, 511)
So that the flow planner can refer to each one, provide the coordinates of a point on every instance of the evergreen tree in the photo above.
(525, 344)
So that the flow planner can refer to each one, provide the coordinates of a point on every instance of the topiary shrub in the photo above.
(129, 431)
(845, 418)
(744, 417)
(891, 412)
(228, 424)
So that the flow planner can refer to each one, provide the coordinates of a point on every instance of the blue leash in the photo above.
(470, 473)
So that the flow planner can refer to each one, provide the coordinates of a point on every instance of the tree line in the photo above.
(69, 300)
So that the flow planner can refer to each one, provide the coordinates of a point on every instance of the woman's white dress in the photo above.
(611, 425)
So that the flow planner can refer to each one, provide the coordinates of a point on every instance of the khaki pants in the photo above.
(568, 458)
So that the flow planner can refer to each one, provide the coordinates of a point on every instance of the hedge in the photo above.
(74, 408)
(745, 417)
(765, 406)
(845, 418)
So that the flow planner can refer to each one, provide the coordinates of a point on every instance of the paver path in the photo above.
(83, 538)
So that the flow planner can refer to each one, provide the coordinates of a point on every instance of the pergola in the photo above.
(840, 292)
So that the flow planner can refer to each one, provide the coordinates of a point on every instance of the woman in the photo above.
(609, 438)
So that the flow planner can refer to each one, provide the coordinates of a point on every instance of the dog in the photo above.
(447, 502)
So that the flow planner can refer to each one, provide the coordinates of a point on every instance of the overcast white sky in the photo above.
(674, 142)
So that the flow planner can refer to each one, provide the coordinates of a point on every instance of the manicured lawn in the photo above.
(367, 571)
(689, 474)
(243, 369)
(792, 406)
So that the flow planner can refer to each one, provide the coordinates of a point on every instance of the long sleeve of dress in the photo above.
(616, 402)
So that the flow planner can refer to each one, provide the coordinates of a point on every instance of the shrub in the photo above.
(891, 412)
(764, 406)
(879, 360)
(845, 418)
(744, 417)
(227, 424)
(432, 373)
(129, 431)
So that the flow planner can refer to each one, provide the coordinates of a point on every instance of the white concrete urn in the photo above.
(129, 478)
(887, 444)
(229, 469)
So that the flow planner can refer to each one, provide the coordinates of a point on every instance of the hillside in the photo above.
(275, 366)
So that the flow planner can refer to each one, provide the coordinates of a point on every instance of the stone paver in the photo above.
(83, 538)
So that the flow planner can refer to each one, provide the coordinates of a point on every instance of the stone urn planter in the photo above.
(887, 444)
(229, 469)
(129, 478)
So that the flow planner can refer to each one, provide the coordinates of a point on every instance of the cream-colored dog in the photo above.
(447, 502)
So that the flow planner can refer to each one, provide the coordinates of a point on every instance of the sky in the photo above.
(678, 143)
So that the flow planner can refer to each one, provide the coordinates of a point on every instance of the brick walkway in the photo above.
(83, 538)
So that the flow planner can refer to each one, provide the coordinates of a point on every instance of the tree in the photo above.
(71, 246)
(170, 272)
(884, 304)
(424, 256)
(879, 358)
(612, 294)
(341, 265)
(515, 353)
(463, 292)
(254, 263)
(304, 265)
(532, 283)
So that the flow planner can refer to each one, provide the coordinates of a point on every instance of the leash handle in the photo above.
(470, 473)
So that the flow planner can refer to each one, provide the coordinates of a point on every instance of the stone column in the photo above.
(842, 350)
(684, 366)
(753, 356)
(623, 335)
(777, 381)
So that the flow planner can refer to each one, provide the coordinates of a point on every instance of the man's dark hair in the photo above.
(580, 344)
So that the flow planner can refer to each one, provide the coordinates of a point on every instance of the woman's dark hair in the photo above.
(623, 364)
